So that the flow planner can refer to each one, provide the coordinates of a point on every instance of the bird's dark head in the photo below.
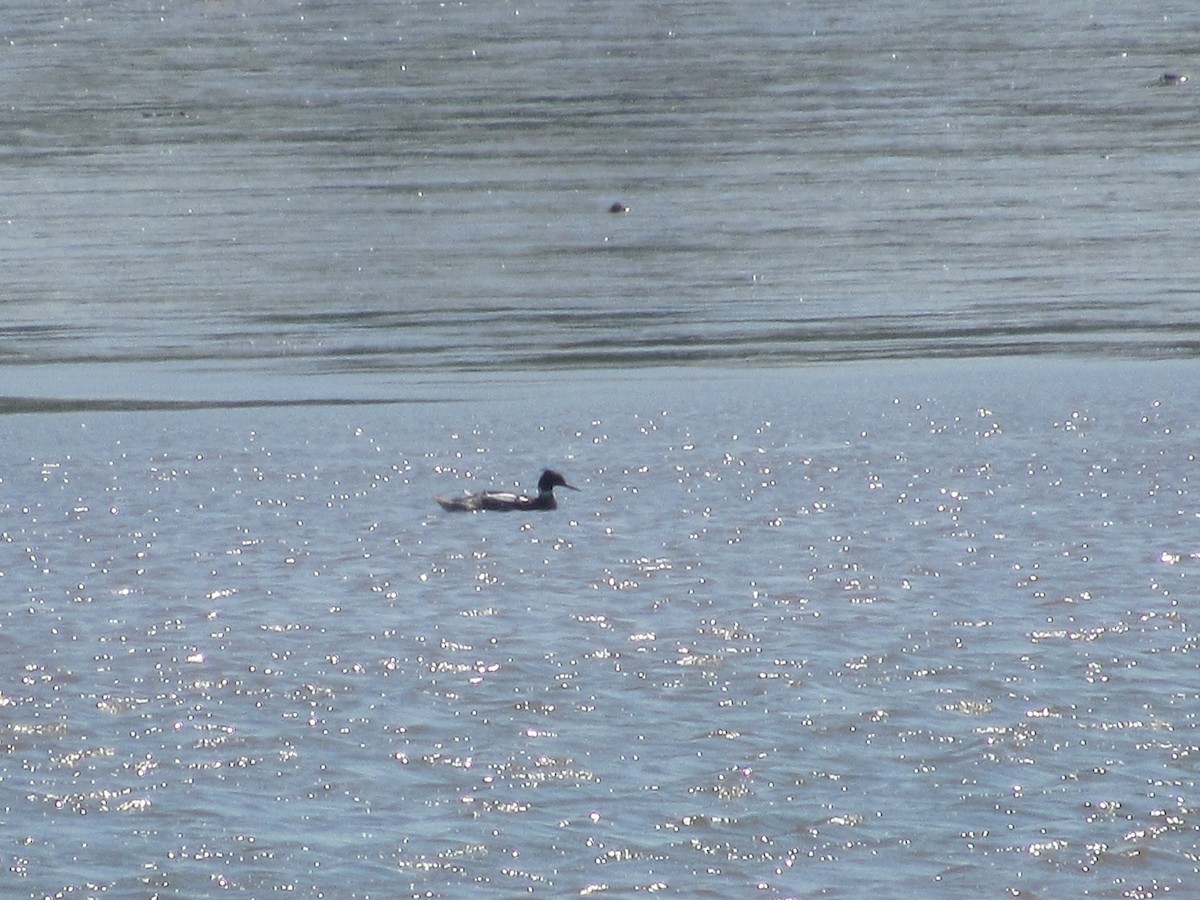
(551, 479)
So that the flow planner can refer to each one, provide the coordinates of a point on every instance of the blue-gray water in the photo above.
(880, 394)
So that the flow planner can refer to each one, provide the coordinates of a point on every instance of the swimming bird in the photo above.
(506, 501)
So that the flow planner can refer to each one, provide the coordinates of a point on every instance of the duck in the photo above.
(506, 501)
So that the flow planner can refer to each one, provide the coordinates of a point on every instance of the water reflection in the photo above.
(398, 193)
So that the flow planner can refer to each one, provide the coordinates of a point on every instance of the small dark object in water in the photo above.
(1168, 79)
(506, 501)
(618, 207)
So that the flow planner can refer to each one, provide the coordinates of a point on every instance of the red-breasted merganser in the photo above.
(506, 501)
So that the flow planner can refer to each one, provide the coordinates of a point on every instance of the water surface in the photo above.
(880, 394)
(395, 191)
(856, 640)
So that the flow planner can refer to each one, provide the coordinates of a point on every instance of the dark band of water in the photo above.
(386, 193)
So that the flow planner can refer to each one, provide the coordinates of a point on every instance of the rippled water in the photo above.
(930, 640)
(397, 190)
(880, 393)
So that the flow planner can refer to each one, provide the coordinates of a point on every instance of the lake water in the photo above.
(880, 393)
